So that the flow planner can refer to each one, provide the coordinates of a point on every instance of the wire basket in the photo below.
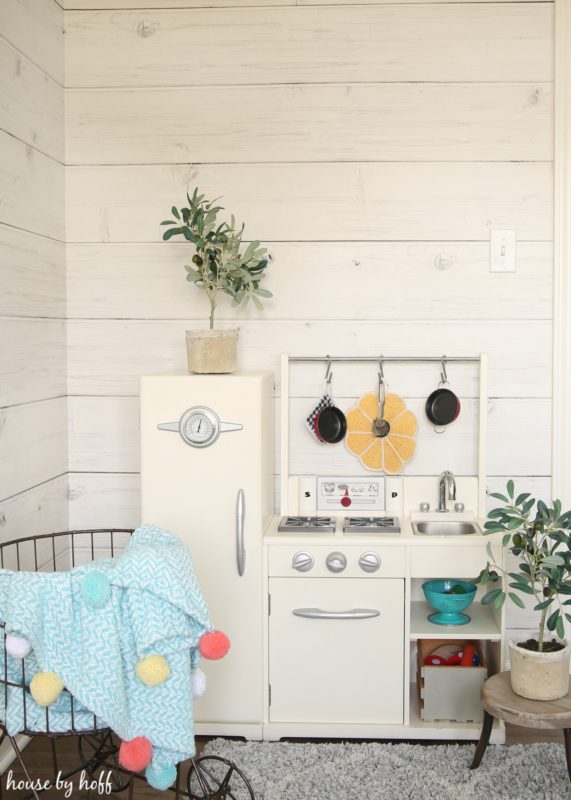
(207, 778)
(55, 552)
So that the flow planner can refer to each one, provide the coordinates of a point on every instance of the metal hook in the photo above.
(328, 372)
(443, 375)
(381, 388)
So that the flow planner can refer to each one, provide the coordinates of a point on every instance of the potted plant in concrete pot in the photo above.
(538, 536)
(220, 265)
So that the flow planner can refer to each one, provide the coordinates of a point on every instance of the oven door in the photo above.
(337, 650)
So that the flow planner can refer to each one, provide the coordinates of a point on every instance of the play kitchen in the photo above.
(330, 604)
(368, 573)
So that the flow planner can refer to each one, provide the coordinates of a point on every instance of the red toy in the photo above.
(468, 656)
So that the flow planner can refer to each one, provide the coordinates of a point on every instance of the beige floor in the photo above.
(38, 759)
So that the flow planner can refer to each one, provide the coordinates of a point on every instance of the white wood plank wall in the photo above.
(33, 406)
(373, 146)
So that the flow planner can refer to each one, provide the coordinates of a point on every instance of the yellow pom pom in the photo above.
(153, 670)
(46, 687)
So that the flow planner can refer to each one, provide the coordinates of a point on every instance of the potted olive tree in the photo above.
(220, 265)
(538, 536)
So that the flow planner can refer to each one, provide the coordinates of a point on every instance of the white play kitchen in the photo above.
(349, 611)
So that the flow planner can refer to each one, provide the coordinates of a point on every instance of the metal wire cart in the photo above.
(207, 777)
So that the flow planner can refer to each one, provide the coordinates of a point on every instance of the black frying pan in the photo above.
(442, 406)
(331, 425)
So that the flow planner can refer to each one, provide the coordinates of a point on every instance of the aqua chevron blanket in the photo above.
(154, 607)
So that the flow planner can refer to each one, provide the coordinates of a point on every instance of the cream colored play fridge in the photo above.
(207, 474)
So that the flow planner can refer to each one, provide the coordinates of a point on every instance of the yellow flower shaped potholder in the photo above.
(388, 453)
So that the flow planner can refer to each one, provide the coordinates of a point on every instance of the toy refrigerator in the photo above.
(207, 467)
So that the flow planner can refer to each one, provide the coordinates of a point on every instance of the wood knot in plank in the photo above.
(146, 29)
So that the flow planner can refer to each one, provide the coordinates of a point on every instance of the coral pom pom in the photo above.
(214, 645)
(17, 646)
(153, 670)
(96, 590)
(45, 687)
(198, 683)
(136, 754)
(160, 779)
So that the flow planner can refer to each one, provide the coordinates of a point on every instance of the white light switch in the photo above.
(502, 251)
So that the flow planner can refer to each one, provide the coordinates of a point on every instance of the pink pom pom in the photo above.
(136, 754)
(214, 645)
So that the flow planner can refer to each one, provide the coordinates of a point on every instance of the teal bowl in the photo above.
(449, 598)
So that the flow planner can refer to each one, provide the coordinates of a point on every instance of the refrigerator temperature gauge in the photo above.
(200, 426)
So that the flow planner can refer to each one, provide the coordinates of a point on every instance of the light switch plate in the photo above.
(502, 250)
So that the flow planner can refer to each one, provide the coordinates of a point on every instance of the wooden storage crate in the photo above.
(450, 693)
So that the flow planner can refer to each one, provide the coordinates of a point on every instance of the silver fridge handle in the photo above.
(353, 613)
(240, 518)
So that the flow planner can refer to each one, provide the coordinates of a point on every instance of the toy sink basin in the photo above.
(445, 528)
(449, 598)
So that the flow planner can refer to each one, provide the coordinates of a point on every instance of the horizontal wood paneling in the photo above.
(108, 357)
(31, 189)
(100, 5)
(32, 360)
(99, 500)
(104, 437)
(461, 42)
(104, 434)
(33, 443)
(33, 410)
(32, 275)
(380, 254)
(371, 122)
(42, 509)
(339, 280)
(157, 4)
(35, 28)
(540, 488)
(332, 202)
(31, 103)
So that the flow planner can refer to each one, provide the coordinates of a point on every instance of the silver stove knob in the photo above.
(302, 562)
(370, 562)
(336, 562)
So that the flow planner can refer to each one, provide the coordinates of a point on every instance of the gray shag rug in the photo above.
(373, 771)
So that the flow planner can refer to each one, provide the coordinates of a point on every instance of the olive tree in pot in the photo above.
(538, 536)
(220, 265)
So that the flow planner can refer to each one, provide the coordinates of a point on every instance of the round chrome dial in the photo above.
(199, 426)
(302, 562)
(370, 562)
(336, 562)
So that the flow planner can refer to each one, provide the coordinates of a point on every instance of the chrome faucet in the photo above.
(446, 482)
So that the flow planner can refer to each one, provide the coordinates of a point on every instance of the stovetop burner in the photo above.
(371, 525)
(307, 524)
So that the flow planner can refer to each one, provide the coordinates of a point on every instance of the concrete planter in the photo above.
(539, 676)
(211, 351)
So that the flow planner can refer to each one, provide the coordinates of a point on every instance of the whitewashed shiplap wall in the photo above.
(33, 408)
(373, 146)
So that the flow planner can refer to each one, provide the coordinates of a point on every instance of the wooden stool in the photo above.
(500, 701)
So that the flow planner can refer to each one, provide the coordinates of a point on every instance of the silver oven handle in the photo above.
(240, 517)
(319, 613)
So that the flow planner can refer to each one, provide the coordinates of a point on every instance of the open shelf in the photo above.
(483, 624)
